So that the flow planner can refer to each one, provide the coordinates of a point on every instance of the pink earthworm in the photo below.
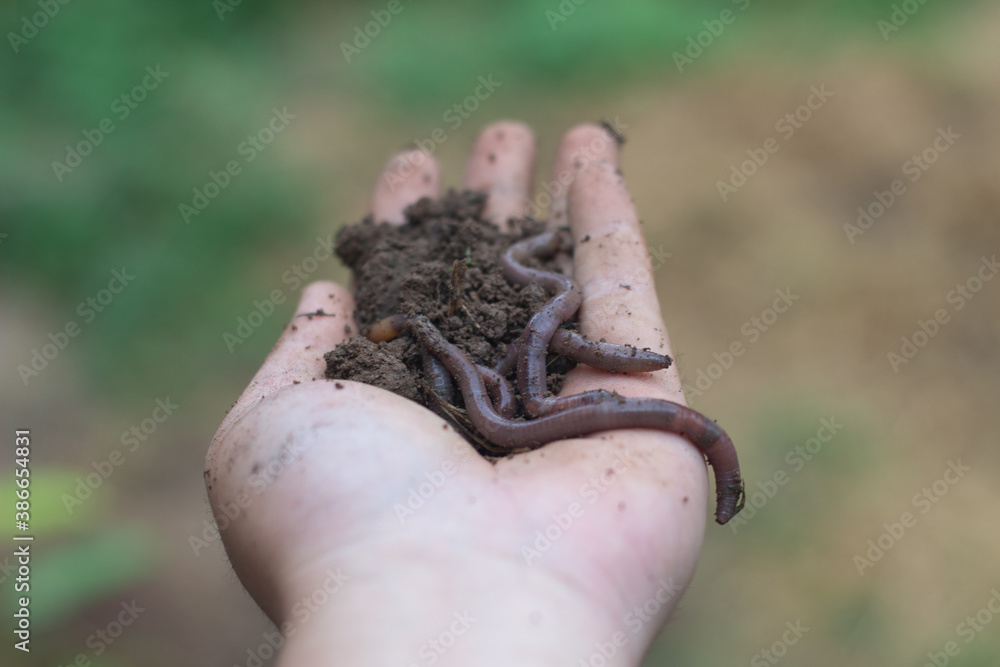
(439, 379)
(500, 392)
(543, 324)
(542, 327)
(485, 390)
(616, 413)
(603, 356)
(606, 356)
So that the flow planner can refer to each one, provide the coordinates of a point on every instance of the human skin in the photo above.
(338, 477)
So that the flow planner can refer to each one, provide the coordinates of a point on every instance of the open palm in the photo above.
(411, 548)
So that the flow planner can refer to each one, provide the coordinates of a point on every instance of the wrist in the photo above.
(348, 580)
(417, 611)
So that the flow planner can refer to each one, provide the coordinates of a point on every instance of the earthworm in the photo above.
(387, 328)
(606, 356)
(596, 354)
(571, 416)
(499, 390)
(543, 330)
(543, 324)
(497, 387)
(508, 361)
(584, 420)
(438, 377)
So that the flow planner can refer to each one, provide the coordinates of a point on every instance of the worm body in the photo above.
(386, 329)
(602, 356)
(586, 419)
(499, 390)
(489, 399)
(438, 377)
(606, 356)
(543, 324)
(508, 361)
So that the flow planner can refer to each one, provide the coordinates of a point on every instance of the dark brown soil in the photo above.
(410, 269)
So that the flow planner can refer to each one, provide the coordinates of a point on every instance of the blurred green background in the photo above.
(226, 68)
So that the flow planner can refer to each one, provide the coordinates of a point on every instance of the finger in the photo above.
(323, 318)
(502, 163)
(406, 177)
(581, 146)
(612, 266)
(668, 483)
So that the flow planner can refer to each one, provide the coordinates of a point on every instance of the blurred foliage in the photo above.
(120, 206)
(564, 44)
(76, 562)
(49, 513)
(89, 570)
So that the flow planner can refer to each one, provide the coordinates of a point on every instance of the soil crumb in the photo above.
(413, 269)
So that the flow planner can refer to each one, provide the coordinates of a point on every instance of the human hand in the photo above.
(370, 533)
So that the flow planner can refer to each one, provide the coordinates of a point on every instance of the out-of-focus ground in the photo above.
(802, 552)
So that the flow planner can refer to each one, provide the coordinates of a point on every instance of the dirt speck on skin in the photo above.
(409, 269)
(615, 134)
